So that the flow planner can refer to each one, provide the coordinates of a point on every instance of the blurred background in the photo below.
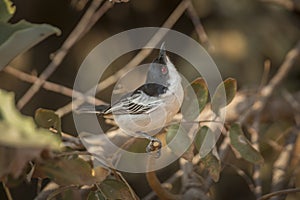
(243, 34)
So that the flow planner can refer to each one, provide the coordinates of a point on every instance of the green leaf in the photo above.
(224, 94)
(20, 140)
(177, 139)
(212, 163)
(71, 171)
(7, 9)
(115, 189)
(47, 119)
(204, 141)
(18, 38)
(205, 144)
(95, 195)
(195, 99)
(242, 146)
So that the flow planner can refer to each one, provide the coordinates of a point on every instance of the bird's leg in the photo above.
(154, 145)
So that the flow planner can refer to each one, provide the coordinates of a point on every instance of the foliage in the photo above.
(18, 38)
(254, 143)
(20, 140)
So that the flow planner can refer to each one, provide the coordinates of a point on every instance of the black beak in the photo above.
(162, 52)
(162, 57)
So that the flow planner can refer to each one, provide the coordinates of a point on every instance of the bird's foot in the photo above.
(154, 147)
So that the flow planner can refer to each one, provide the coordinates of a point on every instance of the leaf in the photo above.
(71, 171)
(115, 189)
(224, 94)
(95, 195)
(7, 9)
(13, 161)
(20, 140)
(195, 99)
(204, 141)
(212, 163)
(18, 38)
(177, 139)
(242, 146)
(47, 119)
(20, 131)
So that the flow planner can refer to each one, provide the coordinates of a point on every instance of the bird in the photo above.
(151, 106)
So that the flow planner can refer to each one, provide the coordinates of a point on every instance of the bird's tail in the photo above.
(100, 109)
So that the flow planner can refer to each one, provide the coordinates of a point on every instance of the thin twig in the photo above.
(260, 103)
(54, 87)
(281, 165)
(294, 104)
(60, 190)
(48, 189)
(187, 168)
(267, 91)
(39, 185)
(71, 153)
(169, 23)
(134, 196)
(199, 27)
(256, 168)
(7, 192)
(281, 192)
(254, 129)
(243, 175)
(288, 4)
(264, 79)
(74, 36)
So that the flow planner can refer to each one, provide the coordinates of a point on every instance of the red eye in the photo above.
(164, 70)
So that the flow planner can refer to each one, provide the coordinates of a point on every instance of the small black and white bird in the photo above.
(151, 106)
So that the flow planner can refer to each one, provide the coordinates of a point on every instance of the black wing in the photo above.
(142, 100)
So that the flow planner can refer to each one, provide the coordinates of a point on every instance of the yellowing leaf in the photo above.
(20, 131)
(224, 94)
(7, 9)
(20, 140)
(47, 119)
(212, 163)
(205, 144)
(242, 146)
(195, 99)
(71, 171)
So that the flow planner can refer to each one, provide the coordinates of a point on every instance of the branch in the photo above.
(287, 4)
(241, 173)
(82, 27)
(198, 26)
(267, 91)
(282, 164)
(286, 191)
(169, 23)
(253, 130)
(171, 180)
(260, 104)
(155, 184)
(51, 86)
(7, 192)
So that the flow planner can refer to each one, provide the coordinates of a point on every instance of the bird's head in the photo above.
(160, 68)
